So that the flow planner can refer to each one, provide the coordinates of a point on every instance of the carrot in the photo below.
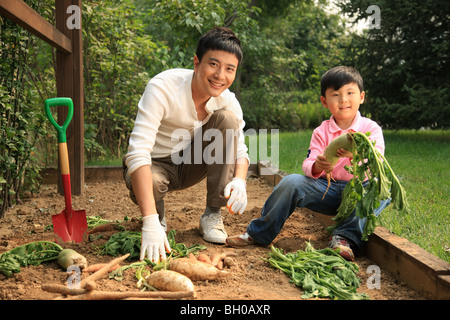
(168, 280)
(204, 257)
(98, 266)
(104, 270)
(196, 270)
(344, 141)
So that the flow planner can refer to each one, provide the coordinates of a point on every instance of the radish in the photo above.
(373, 181)
(344, 141)
(69, 257)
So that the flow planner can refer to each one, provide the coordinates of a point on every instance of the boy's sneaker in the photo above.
(240, 241)
(342, 246)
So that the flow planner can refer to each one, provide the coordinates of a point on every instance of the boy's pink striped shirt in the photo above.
(329, 130)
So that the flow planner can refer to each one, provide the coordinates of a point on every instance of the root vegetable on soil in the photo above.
(204, 257)
(98, 266)
(228, 262)
(105, 227)
(216, 258)
(83, 294)
(107, 295)
(344, 141)
(168, 280)
(69, 257)
(196, 270)
(104, 270)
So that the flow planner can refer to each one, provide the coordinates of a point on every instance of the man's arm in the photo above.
(154, 239)
(142, 182)
(241, 168)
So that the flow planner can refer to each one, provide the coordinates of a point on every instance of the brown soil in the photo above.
(251, 278)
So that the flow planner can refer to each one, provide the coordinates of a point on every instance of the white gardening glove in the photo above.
(236, 193)
(154, 239)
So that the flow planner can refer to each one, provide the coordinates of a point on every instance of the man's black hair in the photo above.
(338, 77)
(219, 38)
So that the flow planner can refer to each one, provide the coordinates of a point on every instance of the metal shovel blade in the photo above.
(70, 226)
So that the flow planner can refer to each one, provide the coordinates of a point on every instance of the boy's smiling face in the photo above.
(214, 73)
(343, 103)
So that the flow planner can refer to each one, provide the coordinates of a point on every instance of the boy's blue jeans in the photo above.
(297, 190)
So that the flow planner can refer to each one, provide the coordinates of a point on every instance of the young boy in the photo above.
(342, 92)
(168, 151)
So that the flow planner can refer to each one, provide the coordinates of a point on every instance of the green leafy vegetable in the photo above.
(321, 273)
(180, 250)
(365, 196)
(95, 221)
(139, 265)
(33, 253)
(130, 242)
(122, 243)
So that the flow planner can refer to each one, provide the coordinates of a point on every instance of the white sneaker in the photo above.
(212, 228)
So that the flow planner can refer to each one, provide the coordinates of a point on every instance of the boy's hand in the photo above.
(344, 153)
(321, 164)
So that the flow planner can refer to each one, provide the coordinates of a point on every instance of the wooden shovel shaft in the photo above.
(65, 174)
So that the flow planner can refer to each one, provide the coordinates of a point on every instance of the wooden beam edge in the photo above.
(22, 14)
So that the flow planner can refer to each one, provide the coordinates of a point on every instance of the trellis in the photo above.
(69, 71)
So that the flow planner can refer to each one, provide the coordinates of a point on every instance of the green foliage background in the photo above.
(288, 45)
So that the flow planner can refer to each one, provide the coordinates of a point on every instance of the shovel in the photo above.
(69, 225)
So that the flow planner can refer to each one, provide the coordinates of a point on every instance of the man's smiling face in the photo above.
(214, 73)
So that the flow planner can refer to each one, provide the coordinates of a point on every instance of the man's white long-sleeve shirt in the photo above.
(167, 106)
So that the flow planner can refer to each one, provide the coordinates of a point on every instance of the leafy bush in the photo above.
(21, 123)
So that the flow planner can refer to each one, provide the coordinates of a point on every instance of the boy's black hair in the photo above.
(338, 77)
(219, 38)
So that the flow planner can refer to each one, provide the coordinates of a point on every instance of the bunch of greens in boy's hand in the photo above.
(365, 195)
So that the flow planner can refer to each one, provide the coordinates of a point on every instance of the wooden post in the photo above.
(69, 72)
(69, 79)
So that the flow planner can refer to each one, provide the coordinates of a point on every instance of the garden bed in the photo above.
(250, 279)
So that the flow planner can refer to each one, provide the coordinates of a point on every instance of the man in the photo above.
(190, 126)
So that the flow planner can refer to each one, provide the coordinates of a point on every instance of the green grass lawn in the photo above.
(420, 160)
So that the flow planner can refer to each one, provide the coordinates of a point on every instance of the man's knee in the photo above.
(160, 186)
(225, 119)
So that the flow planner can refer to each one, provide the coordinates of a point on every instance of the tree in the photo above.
(298, 42)
(118, 58)
(405, 62)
